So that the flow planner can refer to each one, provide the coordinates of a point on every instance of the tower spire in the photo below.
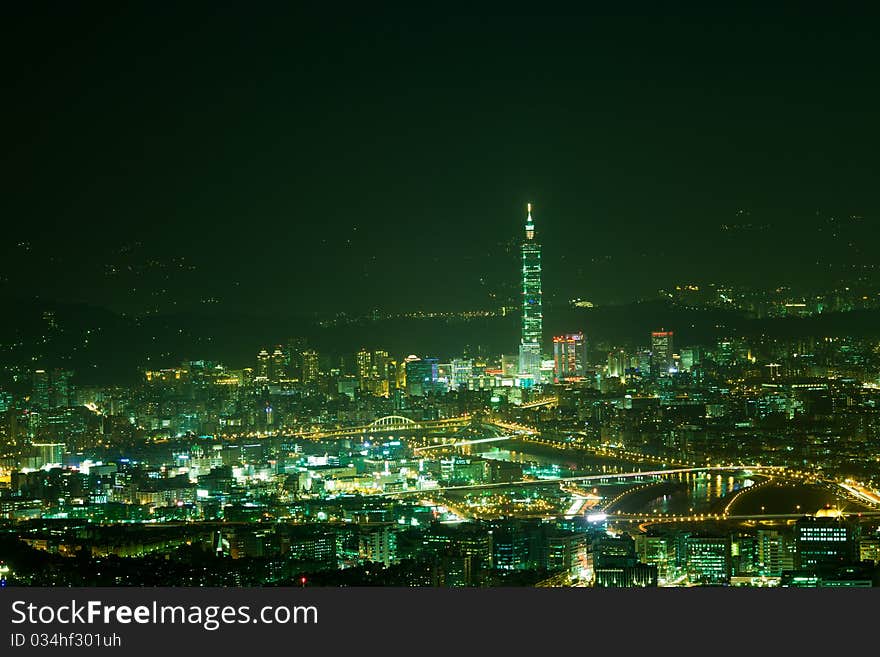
(530, 224)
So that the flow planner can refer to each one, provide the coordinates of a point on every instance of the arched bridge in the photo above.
(391, 423)
(394, 422)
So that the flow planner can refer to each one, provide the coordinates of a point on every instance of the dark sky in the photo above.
(288, 158)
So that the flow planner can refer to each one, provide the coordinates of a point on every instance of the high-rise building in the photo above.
(772, 554)
(293, 351)
(374, 372)
(661, 352)
(510, 548)
(509, 365)
(615, 564)
(563, 551)
(309, 366)
(48, 453)
(532, 308)
(618, 363)
(869, 549)
(278, 365)
(656, 551)
(40, 389)
(708, 559)
(690, 357)
(422, 376)
(263, 359)
(463, 540)
(380, 363)
(363, 364)
(825, 540)
(377, 545)
(569, 356)
(52, 389)
(462, 370)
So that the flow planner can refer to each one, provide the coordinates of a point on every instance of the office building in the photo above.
(423, 377)
(569, 356)
(309, 366)
(708, 559)
(662, 350)
(825, 540)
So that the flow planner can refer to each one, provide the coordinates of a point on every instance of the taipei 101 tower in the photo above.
(532, 314)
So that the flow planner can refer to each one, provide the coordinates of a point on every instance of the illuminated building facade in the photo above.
(658, 551)
(377, 545)
(309, 366)
(532, 312)
(263, 364)
(661, 352)
(278, 365)
(825, 541)
(569, 356)
(708, 559)
(462, 370)
(376, 374)
(618, 362)
(773, 555)
(52, 389)
(422, 376)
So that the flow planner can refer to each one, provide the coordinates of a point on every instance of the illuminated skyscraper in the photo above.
(618, 362)
(569, 356)
(381, 366)
(661, 352)
(532, 313)
(363, 364)
(373, 371)
(277, 367)
(263, 364)
(41, 390)
(293, 352)
(825, 539)
(51, 389)
(422, 376)
(462, 370)
(708, 559)
(309, 366)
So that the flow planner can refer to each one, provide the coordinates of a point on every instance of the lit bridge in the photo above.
(547, 401)
(389, 424)
(394, 422)
(462, 443)
(595, 478)
(652, 518)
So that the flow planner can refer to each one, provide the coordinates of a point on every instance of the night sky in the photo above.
(290, 159)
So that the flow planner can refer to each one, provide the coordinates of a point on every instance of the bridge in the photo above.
(394, 422)
(546, 401)
(652, 518)
(389, 424)
(600, 478)
(646, 519)
(461, 443)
